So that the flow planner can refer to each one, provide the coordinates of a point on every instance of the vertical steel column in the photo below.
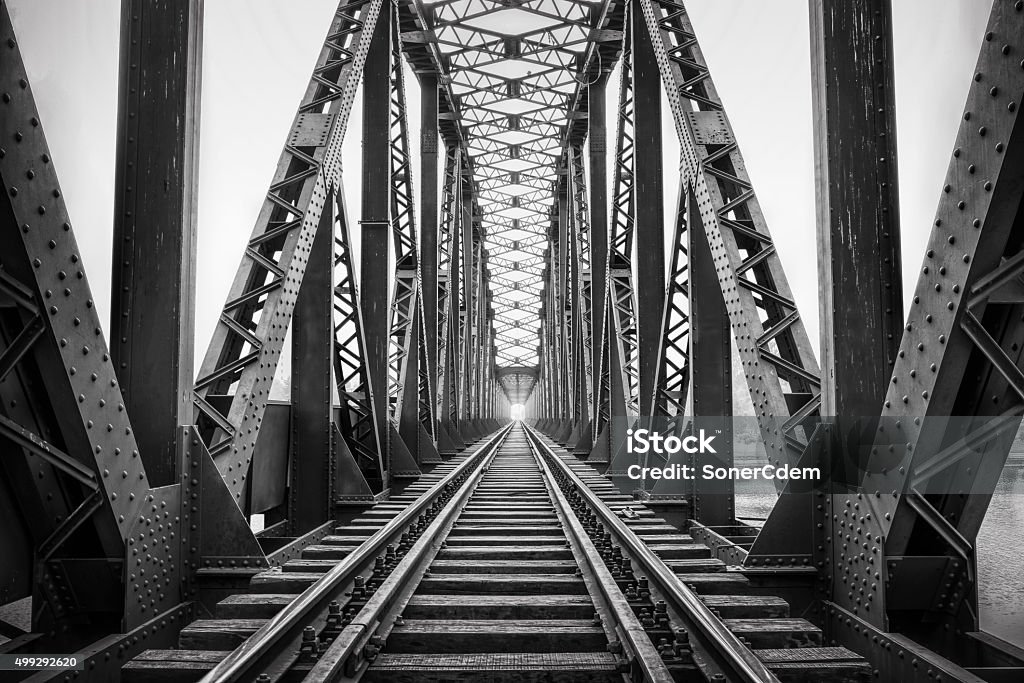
(861, 306)
(154, 250)
(598, 126)
(454, 342)
(312, 472)
(466, 310)
(375, 245)
(711, 373)
(482, 338)
(581, 438)
(429, 215)
(563, 290)
(650, 212)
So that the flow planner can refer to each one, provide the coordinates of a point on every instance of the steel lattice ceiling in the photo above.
(513, 69)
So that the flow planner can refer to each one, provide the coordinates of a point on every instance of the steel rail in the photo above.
(337, 660)
(256, 655)
(627, 623)
(738, 662)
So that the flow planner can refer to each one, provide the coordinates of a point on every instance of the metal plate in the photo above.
(311, 130)
(709, 127)
(153, 557)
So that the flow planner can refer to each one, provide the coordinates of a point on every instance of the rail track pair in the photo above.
(513, 562)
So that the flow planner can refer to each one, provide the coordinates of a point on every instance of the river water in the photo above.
(1000, 547)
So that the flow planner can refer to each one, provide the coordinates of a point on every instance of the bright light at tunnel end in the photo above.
(517, 411)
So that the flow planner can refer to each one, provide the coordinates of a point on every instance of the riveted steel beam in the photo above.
(74, 455)
(430, 216)
(781, 371)
(597, 148)
(929, 477)
(376, 217)
(243, 354)
(859, 263)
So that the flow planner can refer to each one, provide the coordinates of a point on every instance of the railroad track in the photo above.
(514, 563)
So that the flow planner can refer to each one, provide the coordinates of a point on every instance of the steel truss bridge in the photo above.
(411, 531)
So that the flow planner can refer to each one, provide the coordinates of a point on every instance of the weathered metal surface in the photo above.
(86, 474)
(859, 264)
(152, 302)
(648, 207)
(310, 477)
(957, 357)
(268, 488)
(375, 223)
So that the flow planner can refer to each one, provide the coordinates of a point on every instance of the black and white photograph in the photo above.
(512, 341)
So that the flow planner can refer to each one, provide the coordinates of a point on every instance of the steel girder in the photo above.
(430, 216)
(377, 229)
(408, 389)
(779, 364)
(78, 475)
(152, 319)
(466, 311)
(447, 294)
(582, 313)
(619, 388)
(311, 472)
(561, 296)
(929, 478)
(246, 345)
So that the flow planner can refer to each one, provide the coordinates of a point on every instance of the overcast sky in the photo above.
(257, 59)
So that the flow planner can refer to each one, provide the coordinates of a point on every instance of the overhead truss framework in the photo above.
(514, 72)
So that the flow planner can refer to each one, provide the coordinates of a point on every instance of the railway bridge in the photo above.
(452, 490)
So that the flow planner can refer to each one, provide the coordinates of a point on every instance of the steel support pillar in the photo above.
(859, 272)
(563, 299)
(429, 217)
(375, 244)
(453, 364)
(468, 264)
(598, 188)
(649, 208)
(152, 319)
(711, 373)
(310, 484)
(861, 303)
